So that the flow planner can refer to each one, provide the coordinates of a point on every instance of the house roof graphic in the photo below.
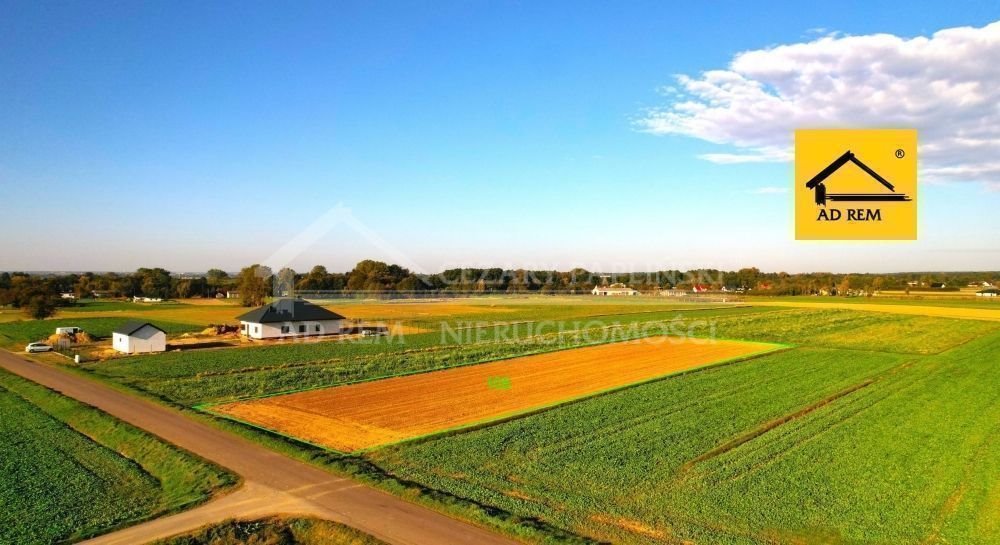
(816, 183)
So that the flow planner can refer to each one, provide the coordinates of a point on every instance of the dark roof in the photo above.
(132, 326)
(289, 310)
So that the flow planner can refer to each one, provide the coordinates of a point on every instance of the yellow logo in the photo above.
(856, 184)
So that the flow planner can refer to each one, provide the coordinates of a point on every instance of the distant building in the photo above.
(989, 292)
(614, 290)
(68, 295)
(938, 285)
(673, 292)
(137, 337)
(290, 318)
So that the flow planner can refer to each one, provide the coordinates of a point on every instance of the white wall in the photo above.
(120, 343)
(273, 330)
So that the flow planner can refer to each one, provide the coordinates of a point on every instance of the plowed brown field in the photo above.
(369, 414)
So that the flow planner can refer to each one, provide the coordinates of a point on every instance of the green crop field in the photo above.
(812, 445)
(855, 330)
(68, 470)
(275, 531)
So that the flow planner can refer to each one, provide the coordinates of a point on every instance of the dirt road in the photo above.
(273, 483)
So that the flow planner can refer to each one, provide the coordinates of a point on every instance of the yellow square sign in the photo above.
(856, 184)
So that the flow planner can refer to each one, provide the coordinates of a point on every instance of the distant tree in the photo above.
(40, 307)
(151, 282)
(284, 282)
(216, 278)
(254, 284)
(183, 288)
(844, 287)
(411, 283)
(84, 285)
(878, 283)
(369, 275)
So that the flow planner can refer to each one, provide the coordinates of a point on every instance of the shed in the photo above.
(138, 337)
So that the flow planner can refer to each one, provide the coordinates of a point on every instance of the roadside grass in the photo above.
(274, 531)
(809, 445)
(69, 471)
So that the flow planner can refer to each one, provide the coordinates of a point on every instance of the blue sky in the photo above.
(470, 133)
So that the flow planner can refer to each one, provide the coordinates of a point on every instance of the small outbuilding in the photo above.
(290, 318)
(990, 292)
(613, 290)
(138, 337)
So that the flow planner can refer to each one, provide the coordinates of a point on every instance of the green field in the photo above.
(16, 334)
(874, 428)
(68, 471)
(953, 300)
(275, 531)
(810, 445)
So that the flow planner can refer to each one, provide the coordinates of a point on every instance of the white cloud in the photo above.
(946, 85)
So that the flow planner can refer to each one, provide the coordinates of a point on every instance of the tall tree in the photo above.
(254, 285)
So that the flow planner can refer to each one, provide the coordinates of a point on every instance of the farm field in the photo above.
(16, 334)
(193, 378)
(873, 427)
(198, 377)
(68, 471)
(370, 414)
(961, 310)
(275, 531)
(803, 446)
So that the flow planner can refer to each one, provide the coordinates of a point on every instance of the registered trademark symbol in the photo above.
(900, 154)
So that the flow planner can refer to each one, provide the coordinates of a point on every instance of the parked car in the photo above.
(37, 347)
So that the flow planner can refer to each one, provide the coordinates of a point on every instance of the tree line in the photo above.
(41, 294)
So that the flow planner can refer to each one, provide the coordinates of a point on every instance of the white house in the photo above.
(991, 292)
(290, 318)
(137, 337)
(613, 289)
